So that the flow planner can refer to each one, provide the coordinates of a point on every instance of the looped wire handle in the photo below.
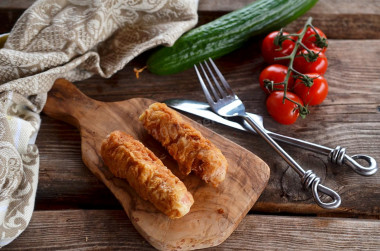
(362, 170)
(310, 179)
(339, 156)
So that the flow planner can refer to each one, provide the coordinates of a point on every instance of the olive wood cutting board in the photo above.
(216, 211)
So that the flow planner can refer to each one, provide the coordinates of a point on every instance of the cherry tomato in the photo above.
(319, 66)
(310, 40)
(277, 74)
(271, 51)
(315, 94)
(284, 113)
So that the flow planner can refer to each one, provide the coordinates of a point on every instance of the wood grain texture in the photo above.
(354, 19)
(216, 211)
(324, 6)
(339, 19)
(112, 230)
(321, 7)
(16, 4)
(349, 117)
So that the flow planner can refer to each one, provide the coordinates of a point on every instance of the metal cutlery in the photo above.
(225, 103)
(335, 155)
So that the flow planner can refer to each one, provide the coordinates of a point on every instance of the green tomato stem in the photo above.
(291, 57)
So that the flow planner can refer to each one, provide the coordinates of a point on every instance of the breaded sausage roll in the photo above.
(185, 144)
(129, 159)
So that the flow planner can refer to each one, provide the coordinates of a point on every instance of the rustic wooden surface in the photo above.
(219, 210)
(111, 229)
(69, 194)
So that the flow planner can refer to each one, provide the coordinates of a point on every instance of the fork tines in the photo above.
(224, 88)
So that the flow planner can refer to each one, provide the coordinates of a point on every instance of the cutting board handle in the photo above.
(66, 102)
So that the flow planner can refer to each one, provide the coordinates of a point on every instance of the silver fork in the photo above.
(225, 103)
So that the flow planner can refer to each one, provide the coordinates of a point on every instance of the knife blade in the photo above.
(203, 110)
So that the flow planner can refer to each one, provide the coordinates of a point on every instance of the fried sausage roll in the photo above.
(129, 159)
(185, 144)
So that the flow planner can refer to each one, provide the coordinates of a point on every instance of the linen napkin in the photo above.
(71, 39)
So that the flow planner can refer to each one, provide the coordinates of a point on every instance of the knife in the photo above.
(336, 156)
(203, 110)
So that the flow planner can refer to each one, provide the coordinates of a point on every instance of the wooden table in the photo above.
(75, 210)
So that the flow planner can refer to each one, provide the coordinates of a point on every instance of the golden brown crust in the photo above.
(129, 159)
(185, 144)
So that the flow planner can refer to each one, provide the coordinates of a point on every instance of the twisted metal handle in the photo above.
(338, 156)
(310, 179)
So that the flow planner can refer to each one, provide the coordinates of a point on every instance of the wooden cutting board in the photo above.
(216, 211)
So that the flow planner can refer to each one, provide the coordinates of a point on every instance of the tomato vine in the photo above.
(310, 56)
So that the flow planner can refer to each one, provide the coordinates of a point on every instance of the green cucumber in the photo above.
(226, 34)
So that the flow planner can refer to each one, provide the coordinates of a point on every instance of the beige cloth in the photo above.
(73, 39)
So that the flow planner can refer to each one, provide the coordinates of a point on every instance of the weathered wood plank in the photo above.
(325, 6)
(111, 229)
(349, 117)
(340, 19)
(64, 182)
(16, 4)
(329, 6)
